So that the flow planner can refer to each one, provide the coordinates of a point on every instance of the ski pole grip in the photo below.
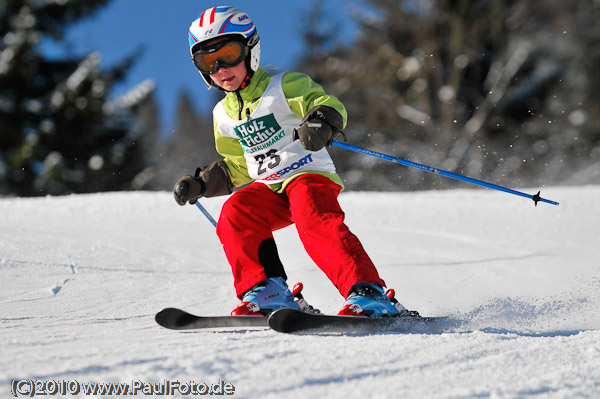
(182, 188)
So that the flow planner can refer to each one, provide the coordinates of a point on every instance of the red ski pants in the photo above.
(251, 214)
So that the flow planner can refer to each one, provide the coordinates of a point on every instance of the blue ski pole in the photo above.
(205, 212)
(536, 198)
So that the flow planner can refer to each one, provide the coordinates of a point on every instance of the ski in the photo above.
(289, 320)
(177, 319)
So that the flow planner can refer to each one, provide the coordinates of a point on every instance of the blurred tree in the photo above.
(59, 133)
(190, 146)
(139, 104)
(585, 116)
(490, 89)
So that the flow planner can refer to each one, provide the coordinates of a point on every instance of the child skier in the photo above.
(272, 131)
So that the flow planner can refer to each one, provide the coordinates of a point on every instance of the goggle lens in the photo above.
(225, 54)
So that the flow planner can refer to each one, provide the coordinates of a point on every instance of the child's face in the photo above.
(230, 79)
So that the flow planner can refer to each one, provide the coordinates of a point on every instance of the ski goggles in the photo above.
(225, 54)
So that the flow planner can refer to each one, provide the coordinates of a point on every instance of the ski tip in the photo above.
(161, 317)
(172, 318)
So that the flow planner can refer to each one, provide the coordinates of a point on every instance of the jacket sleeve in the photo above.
(233, 155)
(216, 180)
(303, 94)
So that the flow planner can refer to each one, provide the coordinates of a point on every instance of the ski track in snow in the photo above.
(82, 276)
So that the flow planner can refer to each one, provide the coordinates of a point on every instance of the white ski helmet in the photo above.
(225, 21)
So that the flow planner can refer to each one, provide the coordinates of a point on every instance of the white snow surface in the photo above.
(82, 276)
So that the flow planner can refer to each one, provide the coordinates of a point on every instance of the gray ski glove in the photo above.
(319, 127)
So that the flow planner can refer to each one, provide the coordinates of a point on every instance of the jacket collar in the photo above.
(252, 90)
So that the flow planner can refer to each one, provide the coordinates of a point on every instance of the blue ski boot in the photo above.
(265, 297)
(369, 300)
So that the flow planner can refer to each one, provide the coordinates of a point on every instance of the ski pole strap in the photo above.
(205, 212)
(536, 198)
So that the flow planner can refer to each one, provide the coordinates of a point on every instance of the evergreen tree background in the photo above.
(495, 90)
(191, 146)
(504, 91)
(59, 132)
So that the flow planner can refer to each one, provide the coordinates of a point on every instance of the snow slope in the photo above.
(82, 276)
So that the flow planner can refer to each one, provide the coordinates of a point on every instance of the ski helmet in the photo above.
(230, 22)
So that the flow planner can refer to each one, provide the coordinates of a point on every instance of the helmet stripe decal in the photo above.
(249, 27)
(225, 24)
(202, 17)
(212, 15)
